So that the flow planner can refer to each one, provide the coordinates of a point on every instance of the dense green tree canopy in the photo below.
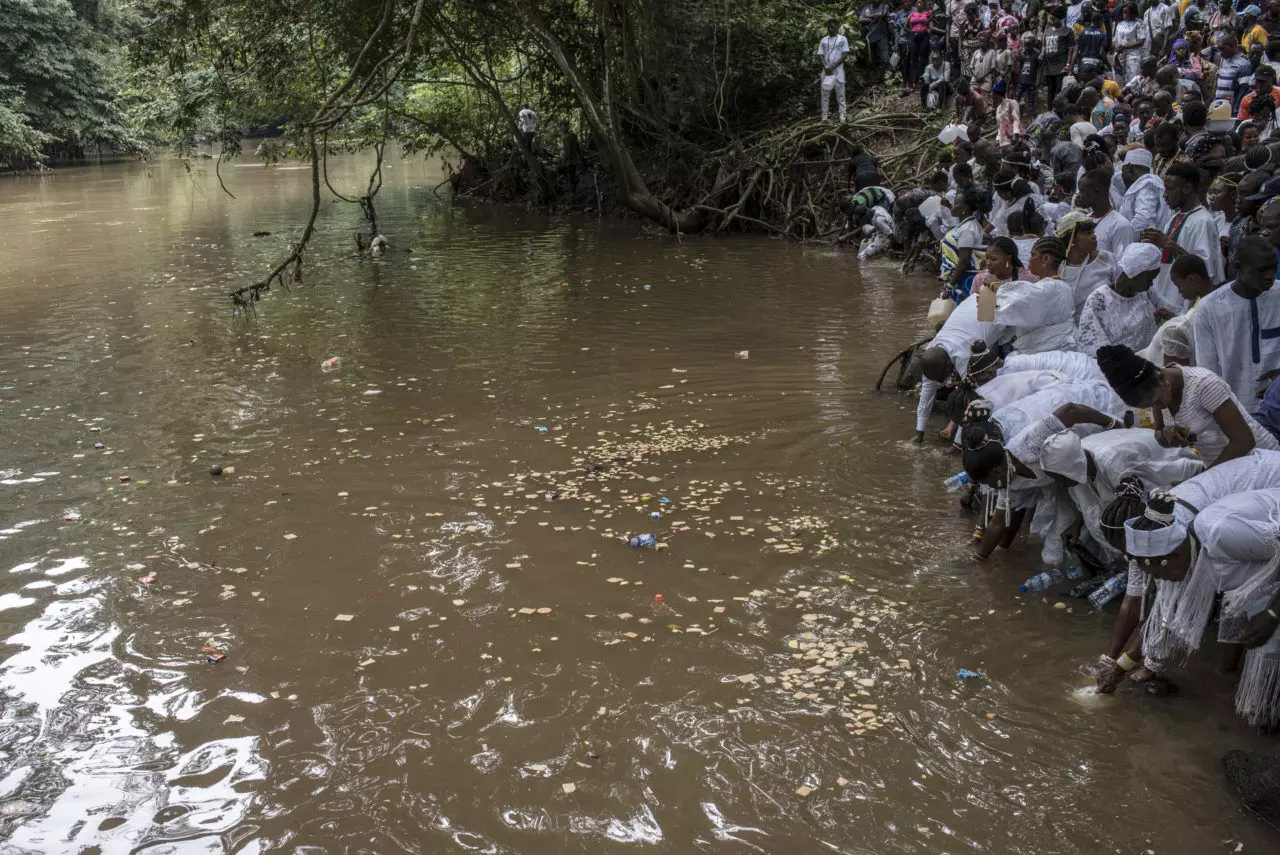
(60, 80)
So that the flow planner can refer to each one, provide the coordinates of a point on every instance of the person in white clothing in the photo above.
(1259, 471)
(1000, 449)
(832, 50)
(877, 231)
(1093, 467)
(1123, 312)
(528, 122)
(1190, 230)
(948, 354)
(1143, 203)
(1087, 267)
(1112, 231)
(1191, 406)
(1160, 19)
(1174, 342)
(1132, 43)
(1230, 549)
(1041, 314)
(1237, 327)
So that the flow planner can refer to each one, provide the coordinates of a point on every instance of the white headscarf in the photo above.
(1062, 454)
(1139, 258)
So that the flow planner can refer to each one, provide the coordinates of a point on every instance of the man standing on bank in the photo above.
(832, 50)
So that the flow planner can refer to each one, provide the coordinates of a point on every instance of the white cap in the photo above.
(1155, 543)
(1138, 157)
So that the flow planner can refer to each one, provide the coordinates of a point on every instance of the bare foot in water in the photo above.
(1155, 684)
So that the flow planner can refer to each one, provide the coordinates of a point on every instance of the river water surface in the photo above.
(434, 639)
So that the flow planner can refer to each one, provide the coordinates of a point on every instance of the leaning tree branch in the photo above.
(250, 294)
(321, 121)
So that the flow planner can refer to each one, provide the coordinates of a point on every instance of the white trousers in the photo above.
(825, 101)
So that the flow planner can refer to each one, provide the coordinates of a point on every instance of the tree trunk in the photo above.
(632, 190)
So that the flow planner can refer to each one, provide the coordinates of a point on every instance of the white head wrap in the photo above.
(1155, 543)
(1139, 258)
(1138, 157)
(1062, 454)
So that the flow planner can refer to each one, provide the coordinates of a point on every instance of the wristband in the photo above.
(1126, 663)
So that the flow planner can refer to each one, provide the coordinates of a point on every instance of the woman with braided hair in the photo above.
(1003, 264)
(1258, 471)
(1106, 476)
(1191, 406)
(1228, 548)
(1041, 313)
(1001, 450)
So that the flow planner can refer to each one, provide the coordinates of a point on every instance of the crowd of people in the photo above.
(1108, 328)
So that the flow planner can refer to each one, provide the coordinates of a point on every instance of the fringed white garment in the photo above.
(1239, 547)
(1258, 695)
(1182, 609)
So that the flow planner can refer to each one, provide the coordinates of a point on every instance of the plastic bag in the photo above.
(952, 132)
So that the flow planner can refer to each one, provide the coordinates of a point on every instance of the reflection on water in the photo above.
(423, 652)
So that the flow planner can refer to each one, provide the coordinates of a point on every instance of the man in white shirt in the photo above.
(528, 122)
(1190, 230)
(1113, 231)
(1143, 202)
(831, 51)
(1237, 327)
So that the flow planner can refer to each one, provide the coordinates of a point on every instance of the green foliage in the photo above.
(56, 75)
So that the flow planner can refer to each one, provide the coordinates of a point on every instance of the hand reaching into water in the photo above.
(1109, 678)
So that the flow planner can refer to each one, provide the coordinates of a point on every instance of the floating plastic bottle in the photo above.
(956, 481)
(1112, 588)
(642, 541)
(333, 363)
(1044, 581)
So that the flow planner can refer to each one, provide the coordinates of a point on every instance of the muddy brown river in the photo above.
(436, 638)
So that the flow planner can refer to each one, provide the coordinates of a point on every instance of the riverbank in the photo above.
(440, 715)
(784, 181)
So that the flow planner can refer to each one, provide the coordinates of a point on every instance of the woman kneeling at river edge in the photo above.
(1229, 548)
